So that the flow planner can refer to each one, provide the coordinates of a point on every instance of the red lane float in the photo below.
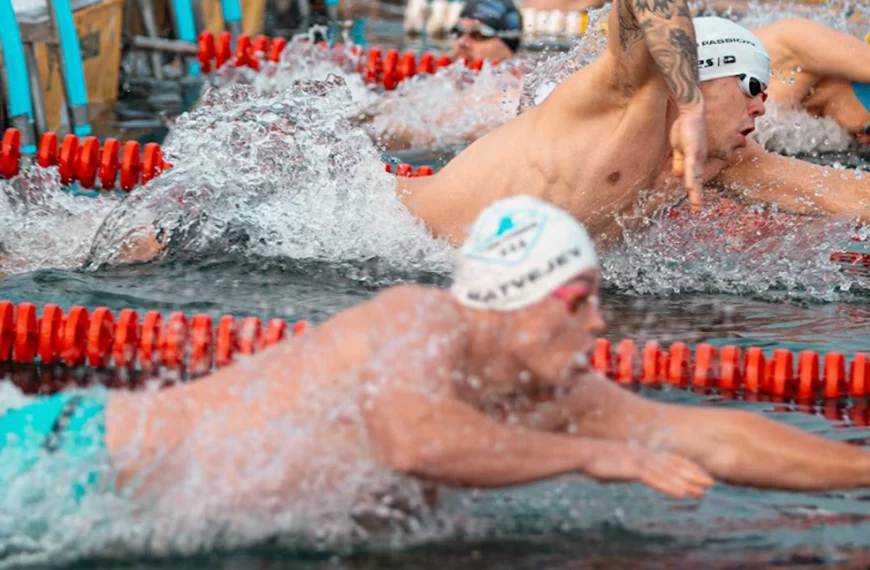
(101, 341)
(84, 161)
(408, 170)
(379, 67)
(730, 369)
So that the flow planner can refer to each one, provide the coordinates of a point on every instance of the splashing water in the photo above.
(300, 60)
(33, 209)
(555, 69)
(734, 249)
(791, 130)
(446, 109)
(453, 107)
(279, 175)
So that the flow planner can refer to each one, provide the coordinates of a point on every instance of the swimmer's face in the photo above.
(553, 337)
(471, 42)
(730, 116)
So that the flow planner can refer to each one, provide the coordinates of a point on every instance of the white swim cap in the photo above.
(726, 49)
(519, 251)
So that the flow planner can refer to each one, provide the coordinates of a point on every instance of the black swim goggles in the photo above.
(752, 86)
(480, 32)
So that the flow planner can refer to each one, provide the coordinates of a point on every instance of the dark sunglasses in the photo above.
(752, 86)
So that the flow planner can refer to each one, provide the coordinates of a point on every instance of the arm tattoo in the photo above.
(629, 30)
(677, 56)
(670, 37)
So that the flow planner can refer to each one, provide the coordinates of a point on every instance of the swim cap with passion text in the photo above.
(520, 250)
(726, 49)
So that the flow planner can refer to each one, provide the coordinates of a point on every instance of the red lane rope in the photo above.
(87, 161)
(102, 340)
(379, 67)
(804, 376)
(198, 344)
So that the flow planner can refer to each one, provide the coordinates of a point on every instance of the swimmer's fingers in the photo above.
(674, 476)
(670, 474)
(694, 177)
(688, 141)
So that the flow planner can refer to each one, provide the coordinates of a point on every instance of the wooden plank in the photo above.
(99, 29)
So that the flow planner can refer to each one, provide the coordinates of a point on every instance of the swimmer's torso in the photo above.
(309, 435)
(588, 151)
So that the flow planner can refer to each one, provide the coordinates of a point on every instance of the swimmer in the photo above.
(825, 71)
(490, 30)
(482, 386)
(671, 98)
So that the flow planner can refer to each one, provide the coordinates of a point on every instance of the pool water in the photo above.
(315, 245)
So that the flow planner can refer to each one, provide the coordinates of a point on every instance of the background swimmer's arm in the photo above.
(821, 50)
(735, 446)
(737, 7)
(449, 442)
(450, 125)
(797, 186)
(139, 246)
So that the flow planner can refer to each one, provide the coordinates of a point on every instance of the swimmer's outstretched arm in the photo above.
(819, 49)
(447, 441)
(797, 186)
(735, 446)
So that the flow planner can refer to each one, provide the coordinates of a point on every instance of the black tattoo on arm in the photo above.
(670, 38)
(629, 30)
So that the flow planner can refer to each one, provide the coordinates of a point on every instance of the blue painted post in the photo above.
(232, 11)
(186, 26)
(71, 67)
(17, 77)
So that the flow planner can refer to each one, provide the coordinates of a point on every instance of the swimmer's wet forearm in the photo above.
(450, 442)
(756, 451)
(670, 37)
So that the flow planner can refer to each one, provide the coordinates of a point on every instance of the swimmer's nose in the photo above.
(597, 324)
(756, 107)
(463, 44)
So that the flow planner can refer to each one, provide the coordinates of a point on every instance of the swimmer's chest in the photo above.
(606, 160)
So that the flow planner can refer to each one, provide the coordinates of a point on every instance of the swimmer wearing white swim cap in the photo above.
(664, 113)
(486, 385)
(519, 251)
(726, 49)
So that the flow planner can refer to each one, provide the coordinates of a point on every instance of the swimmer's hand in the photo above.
(689, 143)
(667, 473)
